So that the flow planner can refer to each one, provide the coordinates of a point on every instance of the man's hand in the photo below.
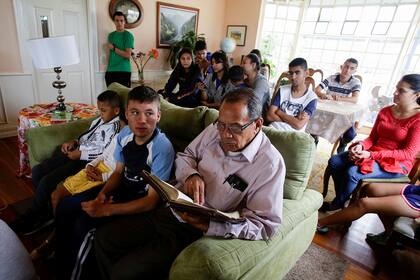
(96, 208)
(74, 155)
(68, 146)
(93, 173)
(110, 46)
(200, 223)
(194, 187)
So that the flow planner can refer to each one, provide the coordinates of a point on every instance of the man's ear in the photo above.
(116, 110)
(259, 122)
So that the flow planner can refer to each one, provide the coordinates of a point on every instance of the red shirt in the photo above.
(393, 141)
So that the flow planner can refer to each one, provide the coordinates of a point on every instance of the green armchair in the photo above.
(216, 258)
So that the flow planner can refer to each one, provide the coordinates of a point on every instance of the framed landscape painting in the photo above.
(237, 33)
(173, 21)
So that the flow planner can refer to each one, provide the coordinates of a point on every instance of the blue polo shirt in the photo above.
(155, 156)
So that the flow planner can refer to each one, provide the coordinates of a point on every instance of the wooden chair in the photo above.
(284, 79)
(359, 77)
(312, 72)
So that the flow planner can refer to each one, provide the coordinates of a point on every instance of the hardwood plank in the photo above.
(12, 188)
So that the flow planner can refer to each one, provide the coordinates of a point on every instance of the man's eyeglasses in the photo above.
(233, 128)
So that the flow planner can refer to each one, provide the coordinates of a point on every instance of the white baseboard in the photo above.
(7, 130)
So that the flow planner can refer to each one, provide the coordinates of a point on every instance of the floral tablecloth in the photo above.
(332, 118)
(41, 115)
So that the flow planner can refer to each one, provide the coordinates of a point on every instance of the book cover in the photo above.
(183, 203)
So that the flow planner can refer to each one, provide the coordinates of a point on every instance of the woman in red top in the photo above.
(390, 149)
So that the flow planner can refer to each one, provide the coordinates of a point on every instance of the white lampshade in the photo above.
(54, 52)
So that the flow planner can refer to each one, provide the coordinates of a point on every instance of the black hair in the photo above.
(248, 97)
(185, 50)
(254, 59)
(221, 57)
(119, 14)
(257, 52)
(299, 61)
(236, 73)
(414, 81)
(200, 45)
(110, 97)
(144, 94)
(352, 60)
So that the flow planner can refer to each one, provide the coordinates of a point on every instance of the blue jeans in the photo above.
(346, 176)
(346, 138)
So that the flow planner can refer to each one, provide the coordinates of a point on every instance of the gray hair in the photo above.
(248, 97)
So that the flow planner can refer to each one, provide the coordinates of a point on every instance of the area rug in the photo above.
(318, 263)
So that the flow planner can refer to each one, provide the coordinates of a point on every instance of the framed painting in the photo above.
(173, 21)
(237, 33)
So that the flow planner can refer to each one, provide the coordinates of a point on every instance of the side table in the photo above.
(39, 115)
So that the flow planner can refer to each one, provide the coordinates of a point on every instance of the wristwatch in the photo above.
(114, 47)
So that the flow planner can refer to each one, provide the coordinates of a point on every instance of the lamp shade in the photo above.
(54, 51)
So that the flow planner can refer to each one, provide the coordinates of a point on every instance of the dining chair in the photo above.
(284, 79)
(312, 72)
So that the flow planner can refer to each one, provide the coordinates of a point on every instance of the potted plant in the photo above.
(188, 41)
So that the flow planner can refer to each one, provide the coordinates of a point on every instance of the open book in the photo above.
(183, 203)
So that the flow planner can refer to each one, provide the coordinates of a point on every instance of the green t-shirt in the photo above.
(122, 41)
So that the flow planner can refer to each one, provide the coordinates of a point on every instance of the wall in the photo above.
(9, 52)
(243, 12)
(210, 22)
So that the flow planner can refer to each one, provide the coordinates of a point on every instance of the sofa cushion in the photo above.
(42, 141)
(234, 258)
(181, 125)
(298, 150)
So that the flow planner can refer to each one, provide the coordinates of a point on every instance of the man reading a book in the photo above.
(230, 166)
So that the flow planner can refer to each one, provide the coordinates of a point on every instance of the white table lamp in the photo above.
(55, 52)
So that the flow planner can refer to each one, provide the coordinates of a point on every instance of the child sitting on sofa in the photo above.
(67, 160)
(96, 173)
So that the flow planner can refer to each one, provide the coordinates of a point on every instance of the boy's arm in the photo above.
(320, 92)
(272, 116)
(352, 99)
(295, 122)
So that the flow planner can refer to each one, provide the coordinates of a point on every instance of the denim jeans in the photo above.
(346, 176)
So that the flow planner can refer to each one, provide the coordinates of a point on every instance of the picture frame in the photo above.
(132, 10)
(237, 33)
(173, 21)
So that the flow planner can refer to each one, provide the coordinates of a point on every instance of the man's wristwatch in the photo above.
(114, 47)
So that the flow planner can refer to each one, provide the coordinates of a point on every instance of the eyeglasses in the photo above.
(233, 128)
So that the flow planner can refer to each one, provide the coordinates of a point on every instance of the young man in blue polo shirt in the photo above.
(139, 146)
(342, 87)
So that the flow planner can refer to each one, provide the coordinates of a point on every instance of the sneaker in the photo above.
(31, 222)
(322, 229)
(380, 239)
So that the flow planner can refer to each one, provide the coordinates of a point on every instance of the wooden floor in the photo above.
(350, 244)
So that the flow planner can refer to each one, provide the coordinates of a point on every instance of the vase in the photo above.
(141, 77)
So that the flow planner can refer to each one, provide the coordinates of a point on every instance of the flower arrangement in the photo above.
(140, 60)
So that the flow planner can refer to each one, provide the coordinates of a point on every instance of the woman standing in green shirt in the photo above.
(120, 44)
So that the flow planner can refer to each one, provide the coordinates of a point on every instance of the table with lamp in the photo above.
(50, 53)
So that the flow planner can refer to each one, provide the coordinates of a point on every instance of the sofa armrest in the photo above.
(42, 141)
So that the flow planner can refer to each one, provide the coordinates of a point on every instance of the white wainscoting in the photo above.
(17, 92)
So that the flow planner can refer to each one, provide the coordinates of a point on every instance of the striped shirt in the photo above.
(93, 142)
(333, 87)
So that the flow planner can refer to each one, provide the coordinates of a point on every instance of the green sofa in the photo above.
(215, 258)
